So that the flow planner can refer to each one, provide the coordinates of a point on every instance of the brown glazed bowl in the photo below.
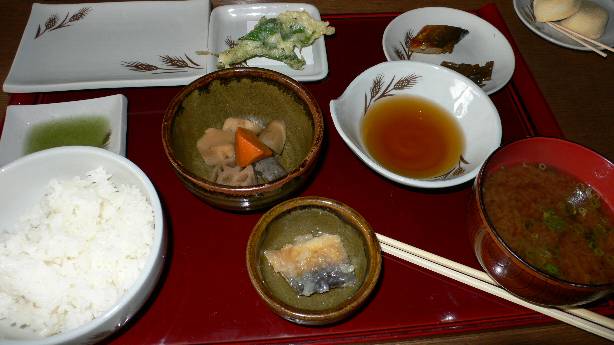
(300, 216)
(498, 259)
(242, 92)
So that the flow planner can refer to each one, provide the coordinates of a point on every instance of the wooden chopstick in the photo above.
(481, 275)
(528, 10)
(578, 317)
(577, 39)
(569, 31)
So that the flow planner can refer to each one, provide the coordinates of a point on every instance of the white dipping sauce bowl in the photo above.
(464, 100)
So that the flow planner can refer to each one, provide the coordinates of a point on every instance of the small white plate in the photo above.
(110, 44)
(234, 21)
(483, 43)
(20, 119)
(551, 35)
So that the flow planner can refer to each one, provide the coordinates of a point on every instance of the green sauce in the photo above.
(82, 131)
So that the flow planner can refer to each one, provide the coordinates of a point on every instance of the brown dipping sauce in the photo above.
(412, 136)
(553, 221)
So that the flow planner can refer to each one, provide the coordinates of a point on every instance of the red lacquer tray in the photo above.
(205, 294)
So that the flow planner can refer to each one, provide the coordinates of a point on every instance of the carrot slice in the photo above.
(248, 148)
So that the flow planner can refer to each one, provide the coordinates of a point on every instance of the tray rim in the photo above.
(526, 95)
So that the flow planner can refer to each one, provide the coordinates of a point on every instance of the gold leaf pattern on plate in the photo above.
(376, 92)
(170, 64)
(457, 170)
(403, 52)
(51, 24)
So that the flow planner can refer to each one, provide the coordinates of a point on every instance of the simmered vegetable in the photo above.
(232, 123)
(274, 135)
(214, 146)
(248, 148)
(239, 156)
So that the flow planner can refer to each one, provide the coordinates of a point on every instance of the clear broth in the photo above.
(412, 136)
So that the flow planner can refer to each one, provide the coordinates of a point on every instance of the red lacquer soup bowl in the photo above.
(544, 285)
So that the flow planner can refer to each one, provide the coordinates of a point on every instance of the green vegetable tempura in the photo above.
(277, 38)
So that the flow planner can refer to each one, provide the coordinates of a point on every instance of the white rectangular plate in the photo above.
(234, 21)
(20, 119)
(111, 44)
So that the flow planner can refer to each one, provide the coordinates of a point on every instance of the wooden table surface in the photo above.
(579, 86)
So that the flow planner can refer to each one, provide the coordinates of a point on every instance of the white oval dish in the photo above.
(472, 108)
(483, 43)
(23, 183)
(524, 12)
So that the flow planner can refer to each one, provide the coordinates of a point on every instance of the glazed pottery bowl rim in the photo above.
(491, 229)
(343, 309)
(280, 80)
(494, 134)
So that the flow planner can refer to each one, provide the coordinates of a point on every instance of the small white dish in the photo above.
(463, 99)
(109, 45)
(230, 22)
(522, 8)
(483, 43)
(20, 119)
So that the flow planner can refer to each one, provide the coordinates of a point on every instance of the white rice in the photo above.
(73, 255)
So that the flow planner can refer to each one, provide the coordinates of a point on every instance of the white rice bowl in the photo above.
(79, 254)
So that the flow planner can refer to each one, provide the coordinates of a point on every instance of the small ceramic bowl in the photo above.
(242, 92)
(464, 100)
(308, 215)
(471, 49)
(497, 257)
(23, 183)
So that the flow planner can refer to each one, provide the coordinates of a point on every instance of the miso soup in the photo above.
(553, 221)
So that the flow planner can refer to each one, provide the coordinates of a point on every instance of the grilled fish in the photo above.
(437, 39)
